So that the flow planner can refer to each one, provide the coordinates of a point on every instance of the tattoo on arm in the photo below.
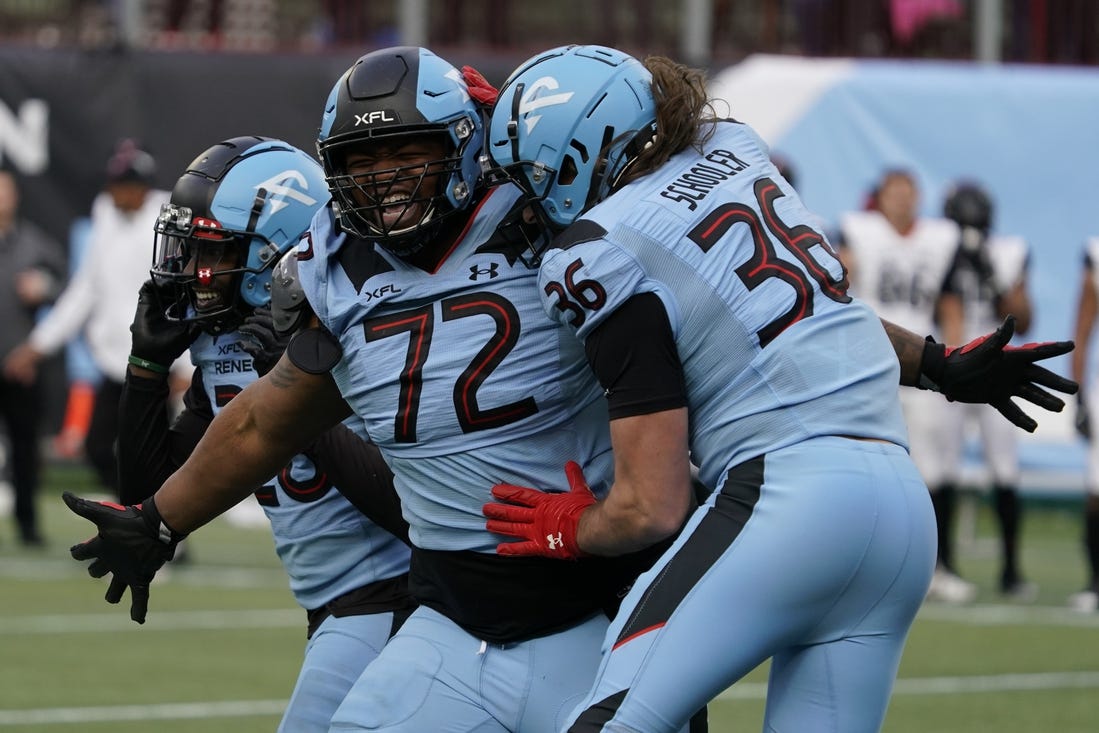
(282, 377)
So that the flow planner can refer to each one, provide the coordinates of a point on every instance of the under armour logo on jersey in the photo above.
(491, 271)
(279, 191)
(379, 115)
(531, 101)
(555, 543)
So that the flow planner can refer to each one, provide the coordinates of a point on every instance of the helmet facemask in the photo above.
(198, 267)
(387, 99)
(399, 206)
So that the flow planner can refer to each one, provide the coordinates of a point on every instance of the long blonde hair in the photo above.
(684, 115)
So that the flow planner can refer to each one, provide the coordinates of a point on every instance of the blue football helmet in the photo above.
(385, 97)
(567, 124)
(239, 206)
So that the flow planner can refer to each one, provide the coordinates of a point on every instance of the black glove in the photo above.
(988, 371)
(132, 544)
(261, 341)
(1083, 419)
(154, 338)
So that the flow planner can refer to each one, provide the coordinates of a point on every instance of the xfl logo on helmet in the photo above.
(380, 115)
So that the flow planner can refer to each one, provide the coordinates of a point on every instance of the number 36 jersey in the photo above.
(773, 349)
(458, 376)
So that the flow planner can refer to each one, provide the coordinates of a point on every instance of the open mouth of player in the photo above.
(397, 210)
(207, 300)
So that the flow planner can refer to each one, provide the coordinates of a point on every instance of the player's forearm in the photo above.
(249, 441)
(616, 527)
(652, 492)
(144, 458)
(1085, 320)
(909, 348)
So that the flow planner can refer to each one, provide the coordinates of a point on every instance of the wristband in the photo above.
(137, 361)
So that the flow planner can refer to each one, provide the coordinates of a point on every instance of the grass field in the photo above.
(223, 641)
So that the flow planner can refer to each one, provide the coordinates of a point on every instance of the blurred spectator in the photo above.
(898, 264)
(34, 267)
(102, 296)
(349, 21)
(610, 30)
(919, 27)
(495, 22)
(176, 12)
(1064, 31)
(1088, 598)
(990, 275)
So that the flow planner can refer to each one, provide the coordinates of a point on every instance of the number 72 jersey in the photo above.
(773, 348)
(457, 375)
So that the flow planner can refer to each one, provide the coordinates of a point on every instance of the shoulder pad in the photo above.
(288, 303)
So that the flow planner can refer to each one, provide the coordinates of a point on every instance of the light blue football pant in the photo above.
(334, 658)
(434, 677)
(823, 573)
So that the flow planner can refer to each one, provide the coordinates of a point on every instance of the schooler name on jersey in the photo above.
(692, 186)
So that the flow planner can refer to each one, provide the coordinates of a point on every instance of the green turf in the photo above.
(225, 631)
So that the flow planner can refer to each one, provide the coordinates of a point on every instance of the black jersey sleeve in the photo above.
(634, 357)
(359, 472)
(149, 449)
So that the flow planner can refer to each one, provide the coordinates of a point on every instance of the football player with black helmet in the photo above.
(425, 324)
(989, 274)
(237, 208)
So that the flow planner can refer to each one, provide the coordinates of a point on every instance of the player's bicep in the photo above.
(634, 357)
(292, 404)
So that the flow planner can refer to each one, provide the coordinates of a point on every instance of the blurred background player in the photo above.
(1088, 598)
(239, 206)
(898, 263)
(990, 275)
(101, 296)
(33, 275)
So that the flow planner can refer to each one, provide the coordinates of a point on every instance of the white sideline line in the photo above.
(121, 713)
(1007, 615)
(222, 577)
(743, 691)
(954, 685)
(155, 621)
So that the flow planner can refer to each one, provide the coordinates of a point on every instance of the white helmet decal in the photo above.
(280, 192)
(531, 101)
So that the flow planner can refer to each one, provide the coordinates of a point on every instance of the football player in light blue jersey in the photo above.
(718, 322)
(428, 327)
(238, 206)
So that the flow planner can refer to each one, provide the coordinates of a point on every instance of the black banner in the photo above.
(63, 111)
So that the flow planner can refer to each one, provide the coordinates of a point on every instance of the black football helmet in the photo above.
(969, 206)
(239, 206)
(385, 97)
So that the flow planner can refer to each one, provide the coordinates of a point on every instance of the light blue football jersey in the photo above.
(458, 376)
(326, 545)
(772, 348)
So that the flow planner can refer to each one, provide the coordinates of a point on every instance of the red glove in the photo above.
(546, 521)
(479, 88)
